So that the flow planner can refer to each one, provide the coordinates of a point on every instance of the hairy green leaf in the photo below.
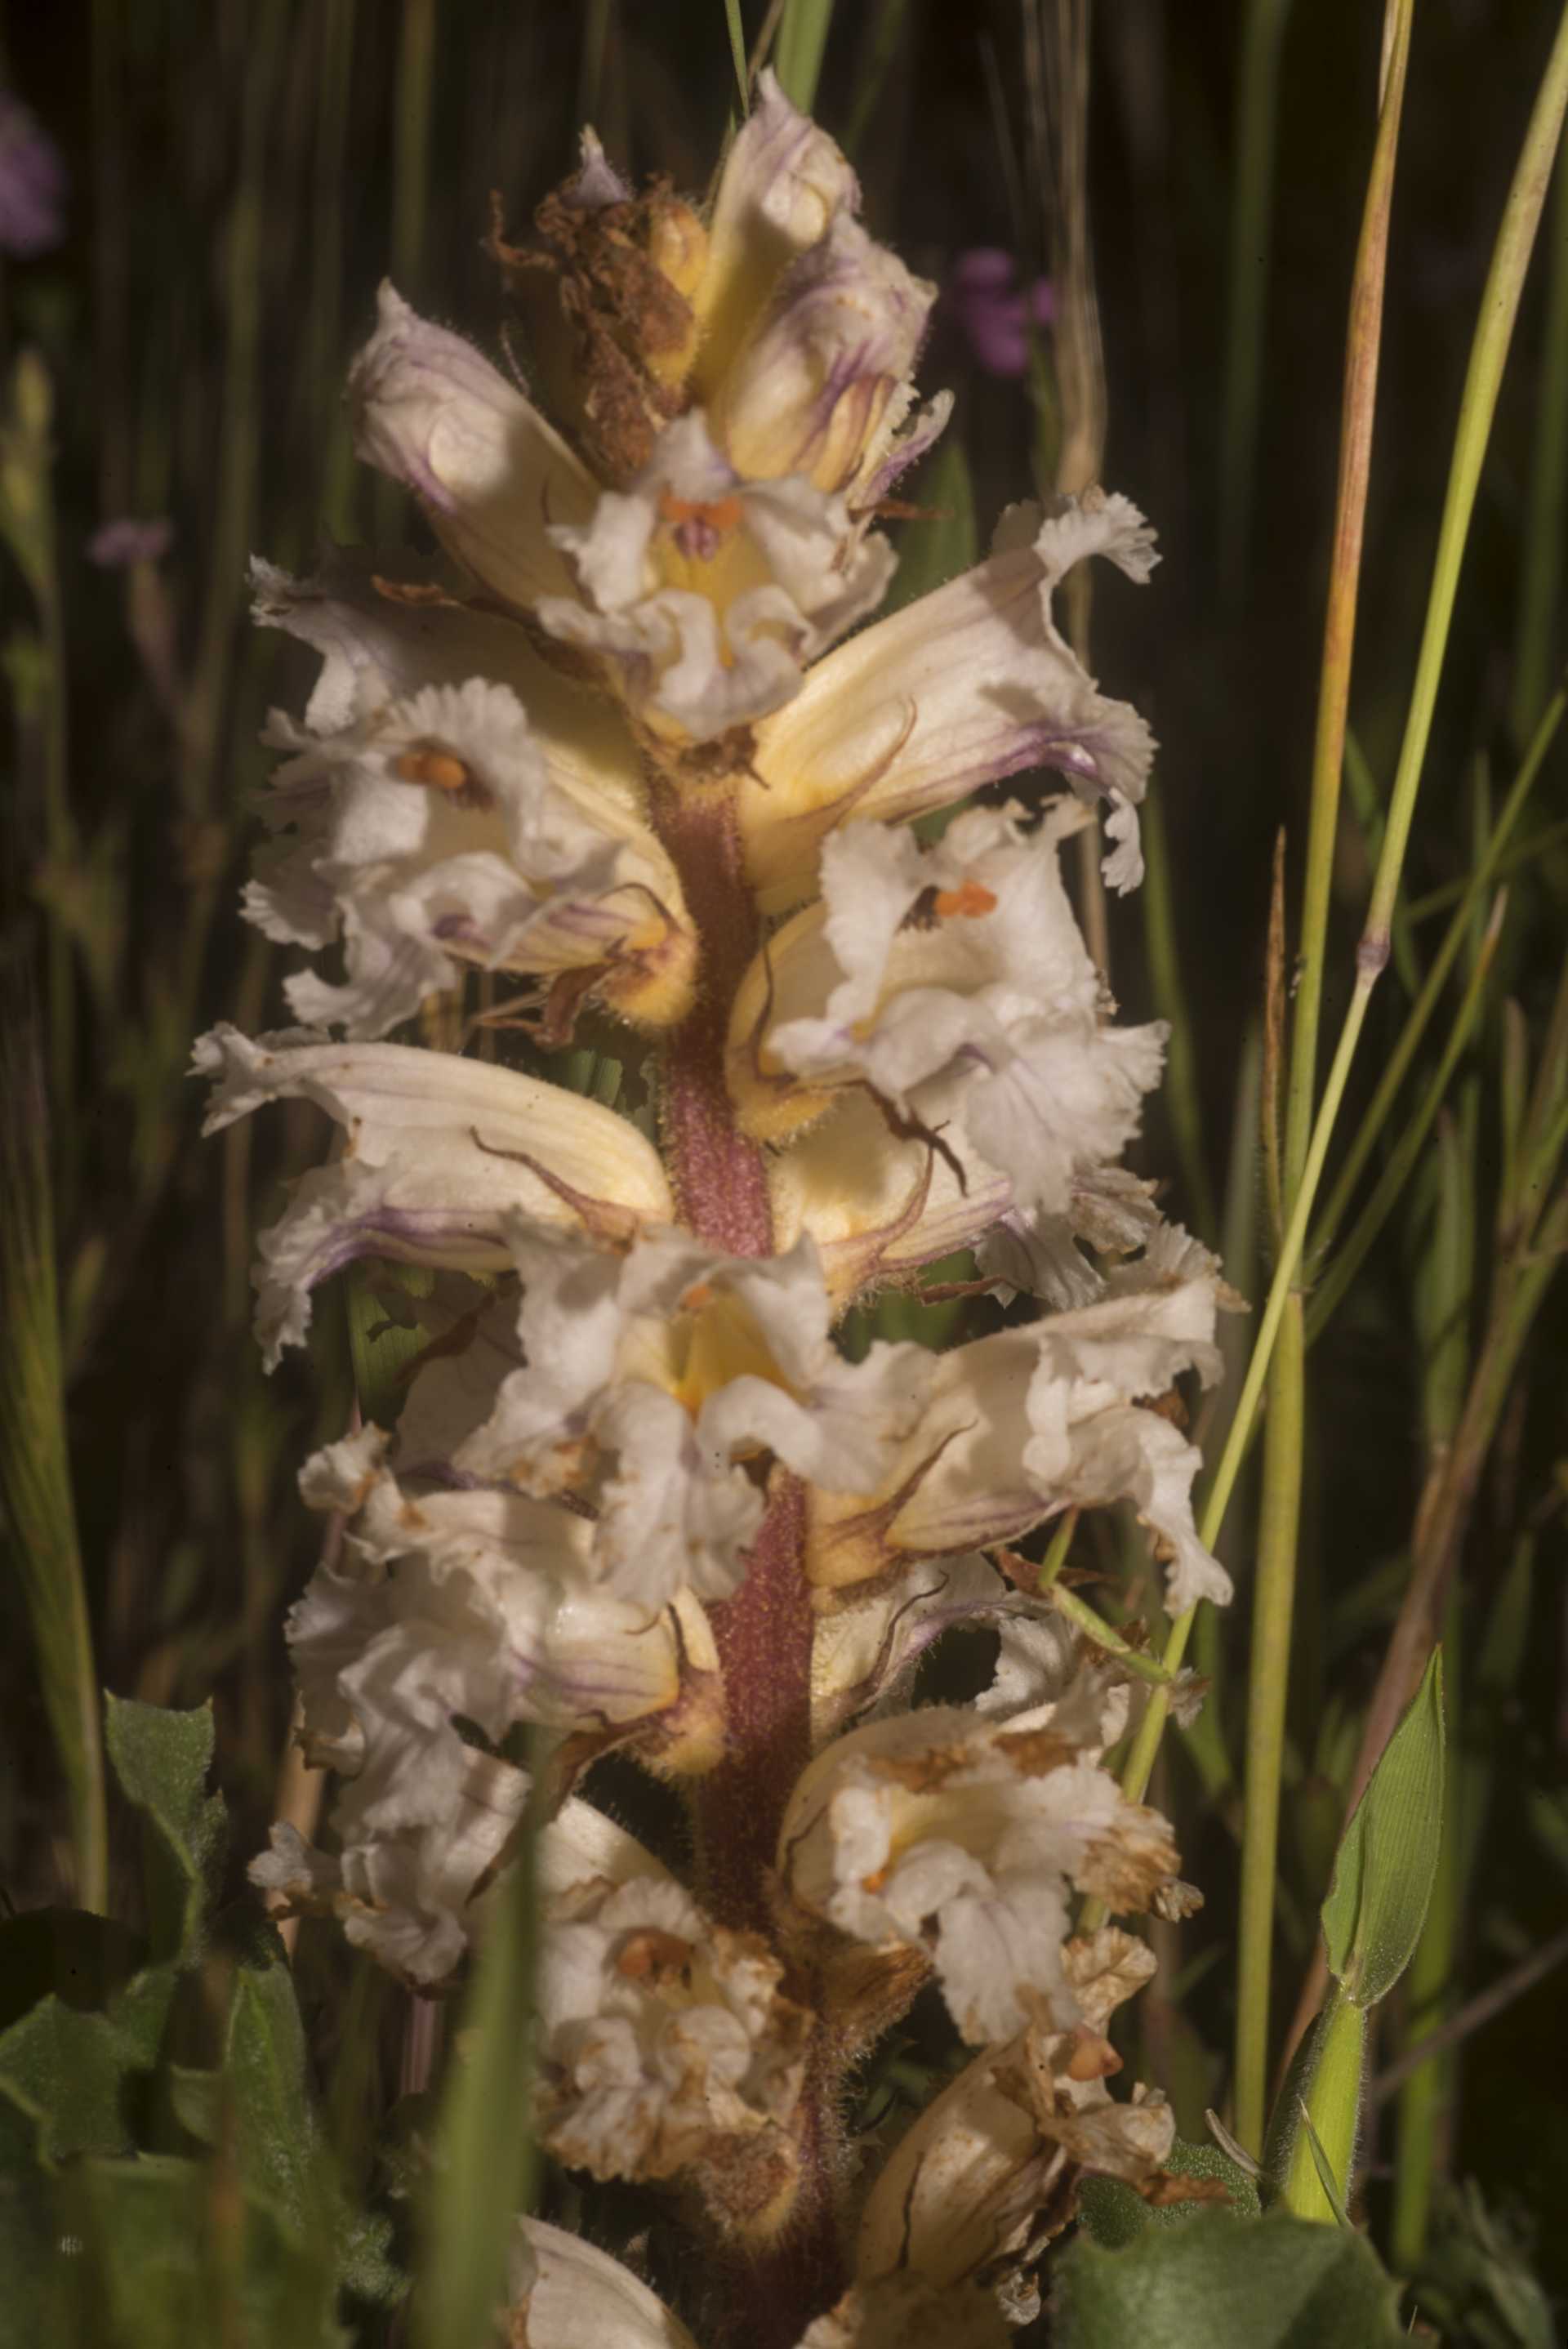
(1217, 2282)
(1388, 1860)
(161, 1759)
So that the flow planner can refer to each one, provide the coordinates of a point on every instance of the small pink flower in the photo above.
(117, 544)
(994, 316)
(32, 184)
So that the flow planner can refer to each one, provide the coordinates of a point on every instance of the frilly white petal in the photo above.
(662, 2032)
(650, 1377)
(705, 593)
(963, 688)
(440, 1150)
(438, 836)
(933, 1833)
(981, 1018)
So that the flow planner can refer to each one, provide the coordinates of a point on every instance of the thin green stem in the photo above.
(1095, 1628)
(1397, 1064)
(1328, 1292)
(1362, 344)
(1530, 851)
(1494, 332)
(1498, 309)
(1274, 1592)
(1547, 506)
(1273, 1606)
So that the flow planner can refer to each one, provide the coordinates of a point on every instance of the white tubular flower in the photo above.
(867, 1646)
(446, 1608)
(985, 2177)
(384, 635)
(1047, 1675)
(904, 2312)
(783, 185)
(1038, 1253)
(824, 380)
(651, 1378)
(878, 1208)
(440, 1150)
(705, 593)
(561, 2294)
(432, 835)
(502, 1581)
(666, 2041)
(954, 982)
(488, 471)
(963, 688)
(965, 1841)
(404, 1888)
(1036, 1420)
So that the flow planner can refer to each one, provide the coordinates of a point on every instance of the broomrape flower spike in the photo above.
(621, 741)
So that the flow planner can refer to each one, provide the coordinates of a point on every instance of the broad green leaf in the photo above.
(171, 2252)
(74, 2070)
(30, 2282)
(1225, 2283)
(1115, 2215)
(266, 2076)
(161, 1759)
(1388, 1860)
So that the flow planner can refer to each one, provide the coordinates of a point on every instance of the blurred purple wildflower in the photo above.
(118, 544)
(32, 184)
(994, 314)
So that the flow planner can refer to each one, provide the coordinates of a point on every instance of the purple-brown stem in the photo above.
(764, 1633)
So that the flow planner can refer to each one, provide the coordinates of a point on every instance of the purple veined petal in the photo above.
(965, 686)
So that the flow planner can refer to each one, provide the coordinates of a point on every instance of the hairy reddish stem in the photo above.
(720, 1181)
(764, 1633)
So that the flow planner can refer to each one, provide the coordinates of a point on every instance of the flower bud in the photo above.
(826, 370)
(783, 184)
(488, 471)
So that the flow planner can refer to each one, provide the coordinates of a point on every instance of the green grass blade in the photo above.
(35, 1465)
(1328, 1292)
(797, 51)
(738, 52)
(1547, 504)
(485, 2156)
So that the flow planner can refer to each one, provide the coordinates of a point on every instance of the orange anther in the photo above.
(697, 1297)
(969, 901)
(653, 1952)
(723, 514)
(438, 769)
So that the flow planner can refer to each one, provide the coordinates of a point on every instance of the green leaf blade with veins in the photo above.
(1387, 1861)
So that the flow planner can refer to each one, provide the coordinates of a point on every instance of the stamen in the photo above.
(966, 903)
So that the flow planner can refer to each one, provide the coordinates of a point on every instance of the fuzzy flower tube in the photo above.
(639, 744)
